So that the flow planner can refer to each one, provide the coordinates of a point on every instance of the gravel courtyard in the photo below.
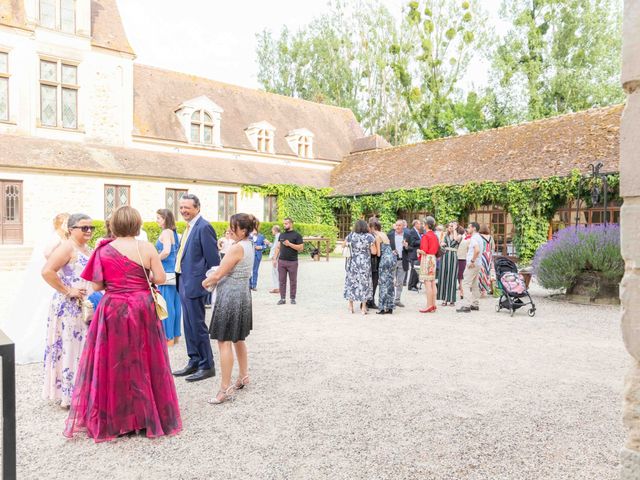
(403, 396)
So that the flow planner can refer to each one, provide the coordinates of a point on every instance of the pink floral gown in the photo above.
(124, 381)
(66, 333)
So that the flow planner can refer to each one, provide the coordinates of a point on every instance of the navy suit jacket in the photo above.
(259, 243)
(199, 255)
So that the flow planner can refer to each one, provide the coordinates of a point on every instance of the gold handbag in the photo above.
(86, 307)
(159, 301)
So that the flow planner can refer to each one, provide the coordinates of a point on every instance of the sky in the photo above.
(217, 38)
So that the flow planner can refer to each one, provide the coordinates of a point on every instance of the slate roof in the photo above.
(62, 157)
(539, 149)
(158, 93)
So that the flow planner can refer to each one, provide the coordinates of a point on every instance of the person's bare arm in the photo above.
(229, 261)
(165, 239)
(476, 253)
(297, 248)
(58, 259)
(158, 274)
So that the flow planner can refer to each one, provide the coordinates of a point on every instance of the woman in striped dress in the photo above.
(487, 272)
(448, 272)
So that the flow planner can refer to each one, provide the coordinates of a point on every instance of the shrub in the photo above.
(305, 229)
(572, 251)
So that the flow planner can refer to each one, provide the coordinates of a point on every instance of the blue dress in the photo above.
(170, 293)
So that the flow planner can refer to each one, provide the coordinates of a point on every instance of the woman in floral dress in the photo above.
(386, 264)
(66, 328)
(358, 285)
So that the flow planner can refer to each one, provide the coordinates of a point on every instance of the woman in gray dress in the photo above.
(232, 314)
(358, 285)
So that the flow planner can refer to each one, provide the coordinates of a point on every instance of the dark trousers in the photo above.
(289, 267)
(195, 332)
(413, 277)
(374, 278)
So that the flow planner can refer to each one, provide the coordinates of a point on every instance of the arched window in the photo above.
(304, 146)
(265, 140)
(201, 128)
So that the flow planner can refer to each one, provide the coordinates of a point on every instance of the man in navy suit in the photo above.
(198, 252)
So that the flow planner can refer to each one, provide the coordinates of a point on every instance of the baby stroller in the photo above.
(513, 289)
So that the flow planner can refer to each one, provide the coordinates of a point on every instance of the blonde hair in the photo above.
(60, 222)
(125, 222)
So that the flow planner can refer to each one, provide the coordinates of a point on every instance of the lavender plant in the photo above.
(572, 251)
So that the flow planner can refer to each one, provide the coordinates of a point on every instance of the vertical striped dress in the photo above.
(448, 271)
(485, 274)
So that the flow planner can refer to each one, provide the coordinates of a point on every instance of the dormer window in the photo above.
(301, 142)
(201, 127)
(201, 118)
(58, 14)
(262, 136)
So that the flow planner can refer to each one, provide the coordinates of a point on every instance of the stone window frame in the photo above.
(176, 194)
(204, 104)
(58, 13)
(203, 123)
(301, 142)
(262, 136)
(117, 203)
(5, 77)
(224, 212)
(61, 88)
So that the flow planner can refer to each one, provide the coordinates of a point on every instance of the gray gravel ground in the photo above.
(403, 396)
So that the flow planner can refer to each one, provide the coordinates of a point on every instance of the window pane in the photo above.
(48, 71)
(169, 200)
(195, 133)
(70, 74)
(69, 108)
(207, 118)
(48, 105)
(221, 201)
(48, 13)
(123, 196)
(195, 117)
(67, 16)
(231, 205)
(208, 134)
(109, 200)
(4, 99)
(4, 62)
(12, 203)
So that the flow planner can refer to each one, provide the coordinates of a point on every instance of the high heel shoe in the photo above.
(241, 382)
(223, 396)
(428, 310)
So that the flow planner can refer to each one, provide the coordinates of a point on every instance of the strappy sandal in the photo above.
(241, 382)
(227, 395)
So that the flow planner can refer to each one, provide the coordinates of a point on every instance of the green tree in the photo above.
(440, 38)
(341, 58)
(559, 56)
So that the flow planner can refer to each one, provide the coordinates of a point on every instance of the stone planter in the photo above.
(593, 287)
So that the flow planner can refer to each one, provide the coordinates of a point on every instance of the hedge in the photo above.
(305, 229)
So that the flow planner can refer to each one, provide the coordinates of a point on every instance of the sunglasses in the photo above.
(85, 229)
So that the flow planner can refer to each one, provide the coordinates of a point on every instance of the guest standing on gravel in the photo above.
(474, 264)
(386, 267)
(357, 283)
(275, 280)
(259, 245)
(397, 238)
(290, 244)
(429, 246)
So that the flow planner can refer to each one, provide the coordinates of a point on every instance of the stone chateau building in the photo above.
(85, 128)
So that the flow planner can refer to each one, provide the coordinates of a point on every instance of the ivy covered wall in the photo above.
(531, 203)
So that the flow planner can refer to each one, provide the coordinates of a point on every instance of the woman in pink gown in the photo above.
(124, 382)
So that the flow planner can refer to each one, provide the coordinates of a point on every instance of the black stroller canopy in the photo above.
(504, 265)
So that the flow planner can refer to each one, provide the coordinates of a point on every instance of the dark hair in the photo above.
(460, 230)
(169, 219)
(430, 222)
(484, 230)
(361, 227)
(475, 225)
(242, 221)
(374, 224)
(193, 198)
(125, 222)
(288, 218)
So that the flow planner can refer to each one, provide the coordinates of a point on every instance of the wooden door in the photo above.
(11, 221)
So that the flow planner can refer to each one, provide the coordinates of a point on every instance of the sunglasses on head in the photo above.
(85, 229)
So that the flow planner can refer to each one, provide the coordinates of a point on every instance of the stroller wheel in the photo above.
(532, 312)
(498, 307)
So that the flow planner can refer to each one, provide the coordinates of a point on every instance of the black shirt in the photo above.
(288, 253)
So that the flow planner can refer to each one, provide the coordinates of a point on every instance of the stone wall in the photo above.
(630, 222)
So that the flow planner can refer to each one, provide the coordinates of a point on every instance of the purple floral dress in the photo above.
(65, 334)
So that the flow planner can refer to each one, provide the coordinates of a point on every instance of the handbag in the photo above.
(171, 279)
(161, 304)
(346, 249)
(86, 309)
(441, 251)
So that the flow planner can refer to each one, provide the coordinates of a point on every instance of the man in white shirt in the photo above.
(470, 276)
(397, 240)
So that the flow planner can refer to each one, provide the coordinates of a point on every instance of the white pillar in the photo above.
(630, 223)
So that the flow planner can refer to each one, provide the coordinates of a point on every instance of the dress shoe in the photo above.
(282, 301)
(201, 374)
(413, 289)
(292, 301)
(399, 304)
(463, 310)
(473, 307)
(188, 370)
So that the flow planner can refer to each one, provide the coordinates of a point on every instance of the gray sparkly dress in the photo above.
(232, 317)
